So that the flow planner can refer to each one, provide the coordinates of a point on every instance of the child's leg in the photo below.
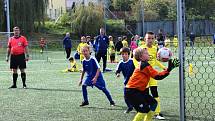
(84, 91)
(127, 102)
(103, 88)
(139, 116)
(154, 93)
(149, 116)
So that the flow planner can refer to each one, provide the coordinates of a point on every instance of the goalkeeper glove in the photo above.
(172, 63)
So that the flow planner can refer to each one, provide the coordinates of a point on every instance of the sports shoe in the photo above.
(24, 87)
(159, 117)
(128, 110)
(13, 86)
(84, 104)
(112, 103)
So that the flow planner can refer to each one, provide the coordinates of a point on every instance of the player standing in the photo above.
(94, 76)
(17, 51)
(126, 66)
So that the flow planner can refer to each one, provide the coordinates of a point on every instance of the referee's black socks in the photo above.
(15, 76)
(23, 76)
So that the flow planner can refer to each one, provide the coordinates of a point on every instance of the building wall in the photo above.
(57, 7)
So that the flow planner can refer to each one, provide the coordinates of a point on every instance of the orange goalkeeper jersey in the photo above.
(142, 74)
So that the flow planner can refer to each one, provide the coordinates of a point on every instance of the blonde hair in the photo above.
(138, 52)
(87, 47)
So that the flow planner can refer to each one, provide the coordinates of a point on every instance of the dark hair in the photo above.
(124, 37)
(150, 32)
(71, 59)
(16, 27)
(125, 50)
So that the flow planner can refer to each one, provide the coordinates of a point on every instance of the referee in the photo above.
(17, 51)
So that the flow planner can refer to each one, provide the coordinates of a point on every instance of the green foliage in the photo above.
(87, 19)
(155, 9)
(122, 5)
(115, 27)
(25, 14)
(2, 17)
(200, 9)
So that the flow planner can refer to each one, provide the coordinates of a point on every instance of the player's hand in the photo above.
(117, 75)
(27, 58)
(80, 83)
(6, 59)
(172, 63)
(94, 80)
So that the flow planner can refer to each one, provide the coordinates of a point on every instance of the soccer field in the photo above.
(56, 96)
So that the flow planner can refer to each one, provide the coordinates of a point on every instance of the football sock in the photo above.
(15, 76)
(23, 76)
(149, 116)
(84, 91)
(158, 110)
(106, 92)
(139, 116)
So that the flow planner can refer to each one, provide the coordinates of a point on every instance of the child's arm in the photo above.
(160, 75)
(96, 76)
(81, 78)
(118, 70)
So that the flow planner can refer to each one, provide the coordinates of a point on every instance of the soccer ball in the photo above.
(164, 54)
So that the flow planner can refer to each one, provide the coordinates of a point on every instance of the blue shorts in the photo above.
(100, 82)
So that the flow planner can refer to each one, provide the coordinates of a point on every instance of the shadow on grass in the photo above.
(170, 117)
(116, 107)
(58, 90)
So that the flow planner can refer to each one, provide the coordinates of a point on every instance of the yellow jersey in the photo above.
(153, 56)
(82, 44)
(175, 42)
(125, 43)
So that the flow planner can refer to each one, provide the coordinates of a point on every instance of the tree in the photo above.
(122, 5)
(29, 15)
(155, 9)
(203, 9)
(2, 16)
(87, 19)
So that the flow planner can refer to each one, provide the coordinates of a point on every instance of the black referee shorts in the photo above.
(17, 61)
(142, 101)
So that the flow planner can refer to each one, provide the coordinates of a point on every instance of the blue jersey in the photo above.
(67, 43)
(101, 44)
(127, 69)
(90, 66)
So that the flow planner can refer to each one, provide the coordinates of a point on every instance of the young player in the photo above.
(136, 91)
(72, 67)
(42, 44)
(126, 66)
(124, 41)
(153, 84)
(94, 76)
(175, 43)
(82, 44)
(112, 54)
(111, 50)
(167, 42)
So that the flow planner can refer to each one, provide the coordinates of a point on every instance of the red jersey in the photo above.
(17, 45)
(42, 43)
(141, 76)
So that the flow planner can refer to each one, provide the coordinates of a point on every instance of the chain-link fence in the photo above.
(199, 79)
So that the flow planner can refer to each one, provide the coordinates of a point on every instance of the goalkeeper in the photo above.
(136, 91)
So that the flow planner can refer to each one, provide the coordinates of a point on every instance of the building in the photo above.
(57, 7)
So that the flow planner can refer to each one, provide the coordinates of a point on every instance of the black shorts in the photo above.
(142, 101)
(17, 61)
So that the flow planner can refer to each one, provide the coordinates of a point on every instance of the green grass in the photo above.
(55, 96)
